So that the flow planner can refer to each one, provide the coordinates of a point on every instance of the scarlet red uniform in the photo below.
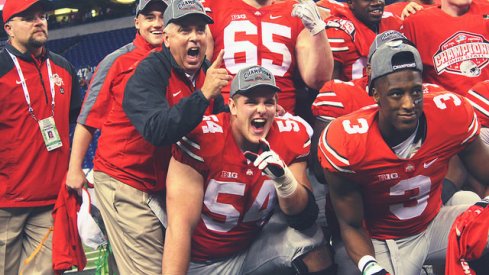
(331, 6)
(264, 36)
(478, 96)
(238, 198)
(454, 50)
(350, 40)
(397, 7)
(401, 196)
(338, 98)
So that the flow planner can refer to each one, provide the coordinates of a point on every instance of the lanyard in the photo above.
(24, 85)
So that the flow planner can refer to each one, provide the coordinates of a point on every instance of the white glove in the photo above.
(308, 12)
(275, 168)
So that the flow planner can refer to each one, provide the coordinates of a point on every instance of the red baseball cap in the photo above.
(13, 7)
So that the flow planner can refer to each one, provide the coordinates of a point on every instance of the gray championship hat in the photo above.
(391, 57)
(252, 77)
(178, 9)
(144, 3)
(386, 36)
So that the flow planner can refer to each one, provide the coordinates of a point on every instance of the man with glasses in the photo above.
(39, 96)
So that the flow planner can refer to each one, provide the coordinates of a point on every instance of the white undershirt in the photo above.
(408, 147)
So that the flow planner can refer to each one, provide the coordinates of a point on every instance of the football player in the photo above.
(350, 33)
(229, 176)
(385, 166)
(264, 33)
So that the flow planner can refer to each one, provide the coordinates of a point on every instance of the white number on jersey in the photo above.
(418, 202)
(256, 212)
(268, 31)
(360, 128)
(288, 125)
(439, 100)
(357, 68)
(212, 126)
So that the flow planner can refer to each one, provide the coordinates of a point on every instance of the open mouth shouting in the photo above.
(258, 125)
(193, 54)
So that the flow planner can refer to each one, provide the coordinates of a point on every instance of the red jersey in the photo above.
(264, 36)
(350, 40)
(397, 7)
(454, 50)
(98, 99)
(478, 96)
(238, 198)
(401, 196)
(338, 98)
(331, 6)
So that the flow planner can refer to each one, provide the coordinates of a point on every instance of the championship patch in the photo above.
(463, 53)
(256, 74)
(342, 24)
(189, 5)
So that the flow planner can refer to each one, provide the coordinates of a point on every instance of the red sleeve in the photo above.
(396, 8)
(98, 99)
(290, 140)
(333, 148)
(338, 98)
(339, 33)
(189, 150)
(478, 96)
(408, 29)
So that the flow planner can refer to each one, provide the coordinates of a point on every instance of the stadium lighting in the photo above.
(125, 2)
(65, 11)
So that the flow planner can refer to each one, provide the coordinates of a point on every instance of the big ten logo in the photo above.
(238, 17)
(388, 176)
(229, 175)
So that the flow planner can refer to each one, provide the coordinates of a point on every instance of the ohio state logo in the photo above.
(463, 53)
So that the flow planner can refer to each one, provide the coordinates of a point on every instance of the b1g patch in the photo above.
(463, 53)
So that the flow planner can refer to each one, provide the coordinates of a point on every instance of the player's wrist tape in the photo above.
(368, 266)
(286, 184)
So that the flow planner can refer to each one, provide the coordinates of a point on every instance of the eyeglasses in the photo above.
(32, 17)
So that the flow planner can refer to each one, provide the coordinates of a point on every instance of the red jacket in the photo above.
(67, 246)
(154, 106)
(99, 97)
(467, 239)
(30, 176)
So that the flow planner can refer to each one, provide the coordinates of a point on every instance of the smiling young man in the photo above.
(99, 96)
(39, 97)
(225, 182)
(102, 95)
(385, 166)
